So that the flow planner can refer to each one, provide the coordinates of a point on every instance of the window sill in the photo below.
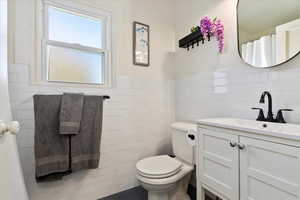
(71, 85)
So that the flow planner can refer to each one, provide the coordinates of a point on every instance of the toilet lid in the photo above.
(158, 166)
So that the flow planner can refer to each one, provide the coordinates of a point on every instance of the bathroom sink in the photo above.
(289, 131)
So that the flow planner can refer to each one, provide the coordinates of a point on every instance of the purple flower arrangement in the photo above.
(211, 28)
(206, 25)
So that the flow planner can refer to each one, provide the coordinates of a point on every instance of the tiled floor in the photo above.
(139, 193)
(133, 194)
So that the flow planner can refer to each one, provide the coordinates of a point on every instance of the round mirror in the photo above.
(268, 31)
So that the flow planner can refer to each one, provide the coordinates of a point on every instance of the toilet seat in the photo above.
(185, 169)
(158, 167)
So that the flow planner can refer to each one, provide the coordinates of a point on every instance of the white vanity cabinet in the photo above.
(218, 162)
(238, 165)
(269, 170)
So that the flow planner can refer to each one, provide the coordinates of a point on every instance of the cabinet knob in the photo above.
(233, 144)
(241, 146)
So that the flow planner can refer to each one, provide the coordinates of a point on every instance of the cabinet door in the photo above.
(269, 171)
(218, 163)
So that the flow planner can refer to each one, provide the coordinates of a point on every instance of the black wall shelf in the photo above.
(191, 40)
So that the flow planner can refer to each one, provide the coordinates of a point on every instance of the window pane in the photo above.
(67, 27)
(70, 65)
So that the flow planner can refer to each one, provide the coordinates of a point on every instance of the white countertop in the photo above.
(287, 131)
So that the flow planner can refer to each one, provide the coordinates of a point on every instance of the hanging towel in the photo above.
(51, 148)
(85, 146)
(57, 155)
(70, 113)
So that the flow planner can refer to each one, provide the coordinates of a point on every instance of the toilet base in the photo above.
(180, 192)
(175, 191)
(158, 196)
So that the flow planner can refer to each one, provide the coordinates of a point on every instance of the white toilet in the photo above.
(167, 178)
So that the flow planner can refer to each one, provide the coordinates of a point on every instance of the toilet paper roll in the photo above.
(190, 137)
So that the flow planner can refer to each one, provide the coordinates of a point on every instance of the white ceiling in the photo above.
(259, 15)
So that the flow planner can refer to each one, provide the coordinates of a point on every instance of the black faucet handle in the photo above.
(256, 108)
(261, 116)
(280, 118)
(289, 110)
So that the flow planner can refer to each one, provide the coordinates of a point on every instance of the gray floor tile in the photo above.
(132, 194)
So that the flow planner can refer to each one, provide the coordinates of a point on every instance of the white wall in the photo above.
(136, 119)
(212, 85)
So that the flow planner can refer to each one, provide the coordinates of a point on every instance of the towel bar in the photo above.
(106, 97)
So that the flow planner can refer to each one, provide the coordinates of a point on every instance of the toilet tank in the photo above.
(182, 145)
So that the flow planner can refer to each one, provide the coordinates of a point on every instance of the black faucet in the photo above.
(270, 117)
(261, 116)
(280, 118)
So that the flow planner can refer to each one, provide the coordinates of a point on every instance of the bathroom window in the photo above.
(75, 44)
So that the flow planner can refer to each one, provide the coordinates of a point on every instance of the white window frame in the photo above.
(40, 74)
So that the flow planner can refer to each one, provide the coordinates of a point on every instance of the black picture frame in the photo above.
(146, 42)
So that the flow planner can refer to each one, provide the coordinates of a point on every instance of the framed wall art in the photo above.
(141, 44)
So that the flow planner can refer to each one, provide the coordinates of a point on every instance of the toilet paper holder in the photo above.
(191, 136)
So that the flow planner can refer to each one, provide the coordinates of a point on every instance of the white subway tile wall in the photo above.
(209, 84)
(135, 125)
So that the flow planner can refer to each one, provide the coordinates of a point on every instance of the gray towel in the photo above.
(85, 146)
(58, 155)
(51, 149)
(70, 113)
